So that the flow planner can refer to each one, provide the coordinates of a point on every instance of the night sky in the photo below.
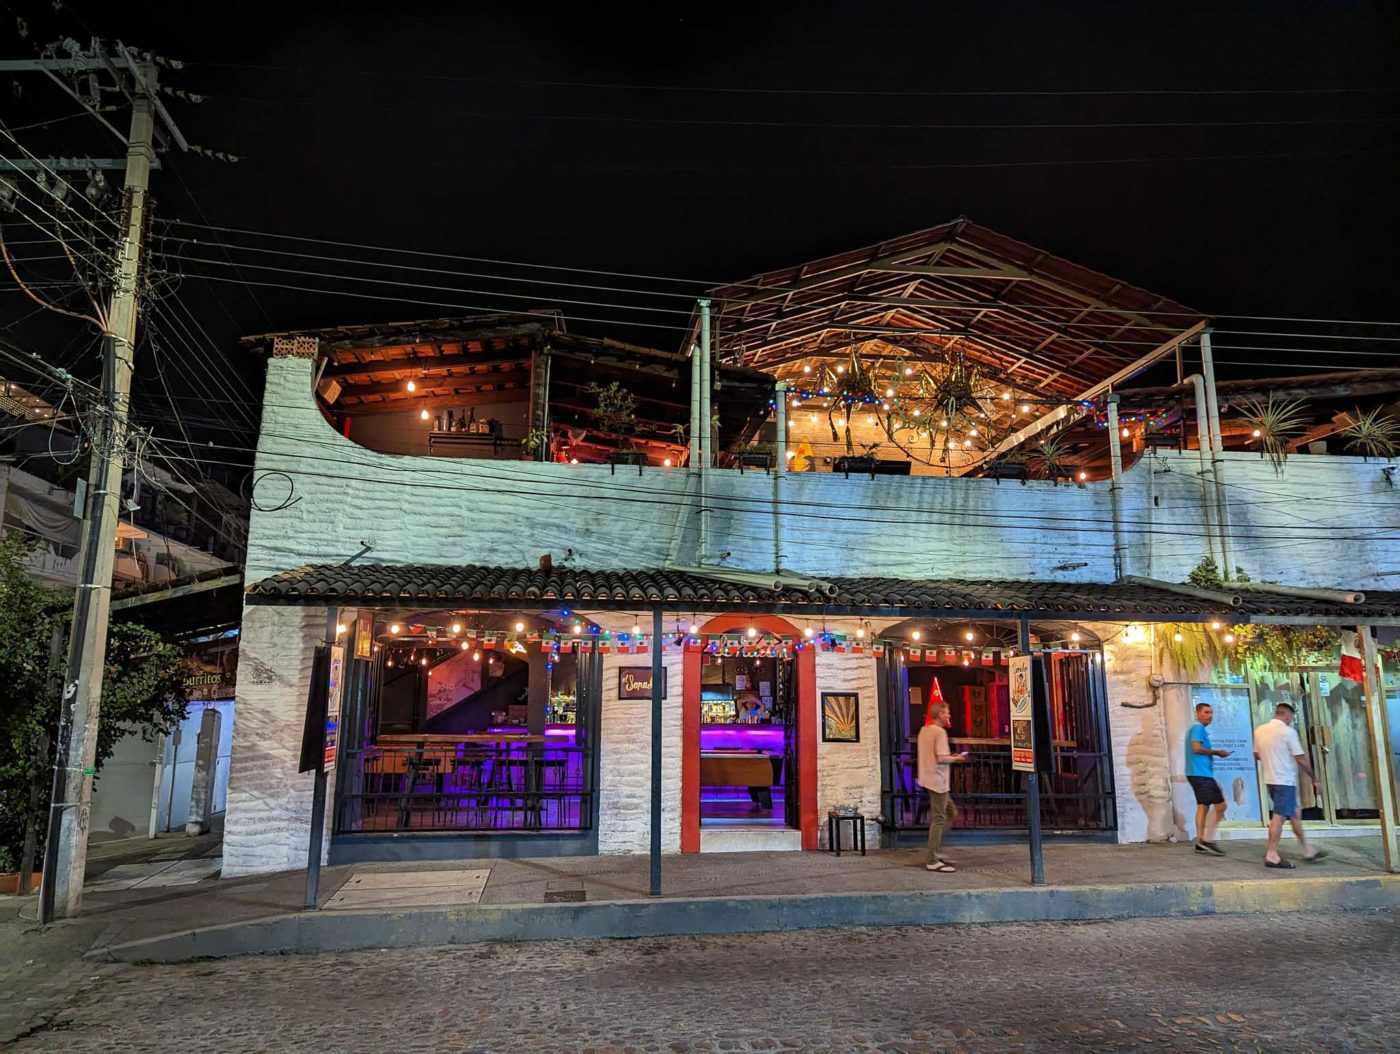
(710, 142)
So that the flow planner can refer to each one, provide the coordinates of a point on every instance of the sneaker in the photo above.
(1209, 849)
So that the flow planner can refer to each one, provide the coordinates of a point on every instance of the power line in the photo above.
(753, 90)
(775, 290)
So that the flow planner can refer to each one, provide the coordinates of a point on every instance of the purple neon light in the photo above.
(741, 737)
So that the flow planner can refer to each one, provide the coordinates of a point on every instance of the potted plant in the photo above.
(1050, 460)
(1372, 434)
(1276, 423)
(536, 443)
(755, 455)
(864, 461)
(1009, 466)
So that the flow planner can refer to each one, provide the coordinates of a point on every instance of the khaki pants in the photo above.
(942, 813)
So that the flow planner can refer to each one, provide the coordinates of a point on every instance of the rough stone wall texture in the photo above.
(849, 773)
(450, 510)
(268, 820)
(624, 783)
(1141, 773)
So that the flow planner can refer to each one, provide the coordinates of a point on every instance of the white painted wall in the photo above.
(624, 782)
(1298, 524)
(268, 820)
(849, 773)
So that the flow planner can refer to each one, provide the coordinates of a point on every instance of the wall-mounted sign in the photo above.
(634, 682)
(1022, 714)
(333, 691)
(212, 666)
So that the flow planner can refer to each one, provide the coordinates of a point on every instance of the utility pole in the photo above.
(87, 647)
(65, 855)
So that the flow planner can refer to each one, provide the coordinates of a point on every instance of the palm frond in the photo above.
(1278, 421)
(1373, 434)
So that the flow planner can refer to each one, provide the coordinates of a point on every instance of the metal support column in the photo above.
(779, 471)
(1115, 493)
(318, 801)
(702, 554)
(1222, 506)
(1032, 778)
(657, 673)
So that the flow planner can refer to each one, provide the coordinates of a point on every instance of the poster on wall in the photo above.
(840, 717)
(333, 691)
(1022, 715)
(1232, 729)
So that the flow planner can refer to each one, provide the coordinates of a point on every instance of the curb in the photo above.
(342, 931)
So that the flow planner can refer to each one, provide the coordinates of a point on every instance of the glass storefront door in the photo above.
(1348, 769)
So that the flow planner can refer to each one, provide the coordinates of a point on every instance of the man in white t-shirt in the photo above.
(1280, 755)
(935, 755)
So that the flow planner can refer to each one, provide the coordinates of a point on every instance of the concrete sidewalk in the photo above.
(397, 905)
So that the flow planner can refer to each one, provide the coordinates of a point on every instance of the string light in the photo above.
(753, 632)
(465, 645)
(1006, 396)
(1215, 624)
(889, 392)
(476, 656)
(861, 633)
(423, 661)
(1125, 433)
(1257, 433)
(1074, 636)
(916, 635)
(807, 632)
(411, 386)
(1178, 637)
(340, 629)
(909, 371)
(806, 369)
(394, 629)
(423, 414)
(667, 462)
(1229, 638)
(1025, 408)
(636, 628)
(968, 636)
(694, 628)
(456, 627)
(1083, 476)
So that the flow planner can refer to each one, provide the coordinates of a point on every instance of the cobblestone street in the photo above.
(1281, 982)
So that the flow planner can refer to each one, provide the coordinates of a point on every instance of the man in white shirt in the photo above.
(1280, 755)
(935, 755)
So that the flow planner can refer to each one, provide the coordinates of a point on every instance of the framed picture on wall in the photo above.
(840, 717)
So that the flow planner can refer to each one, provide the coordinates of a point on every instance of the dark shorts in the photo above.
(1283, 800)
(1207, 790)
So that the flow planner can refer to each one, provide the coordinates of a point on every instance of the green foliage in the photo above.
(1206, 574)
(1278, 422)
(1049, 459)
(617, 407)
(1268, 647)
(143, 690)
(1373, 434)
(536, 441)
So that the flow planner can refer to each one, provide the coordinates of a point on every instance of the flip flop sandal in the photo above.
(1321, 854)
(942, 867)
(1281, 863)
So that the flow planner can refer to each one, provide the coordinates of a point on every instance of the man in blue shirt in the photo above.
(1200, 773)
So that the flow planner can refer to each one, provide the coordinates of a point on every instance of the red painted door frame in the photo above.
(806, 657)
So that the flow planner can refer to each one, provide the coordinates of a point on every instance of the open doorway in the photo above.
(748, 741)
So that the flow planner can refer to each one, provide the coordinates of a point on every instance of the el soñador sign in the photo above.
(634, 682)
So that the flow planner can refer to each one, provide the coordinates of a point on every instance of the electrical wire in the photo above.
(774, 290)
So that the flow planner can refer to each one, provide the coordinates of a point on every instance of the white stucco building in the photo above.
(493, 617)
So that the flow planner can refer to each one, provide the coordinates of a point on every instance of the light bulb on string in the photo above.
(423, 414)
(456, 627)
(465, 645)
(476, 656)
(1178, 637)
(917, 635)
(394, 629)
(411, 386)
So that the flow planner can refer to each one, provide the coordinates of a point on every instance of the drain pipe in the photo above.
(779, 470)
(694, 459)
(1222, 511)
(1230, 599)
(1335, 596)
(706, 458)
(1207, 472)
(1115, 492)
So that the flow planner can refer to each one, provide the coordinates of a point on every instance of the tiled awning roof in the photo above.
(435, 586)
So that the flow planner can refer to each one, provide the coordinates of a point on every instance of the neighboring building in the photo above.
(179, 547)
(495, 619)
